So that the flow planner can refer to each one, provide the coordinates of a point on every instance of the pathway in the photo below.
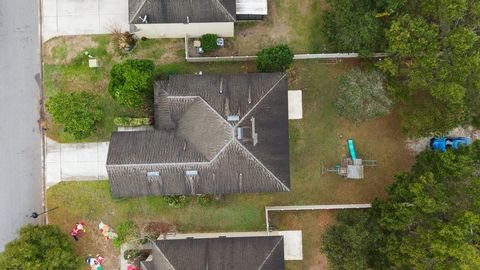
(75, 161)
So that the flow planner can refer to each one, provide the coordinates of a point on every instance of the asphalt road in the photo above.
(20, 138)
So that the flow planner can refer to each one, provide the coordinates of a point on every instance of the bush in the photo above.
(278, 58)
(40, 247)
(79, 113)
(205, 199)
(131, 122)
(209, 42)
(126, 231)
(131, 82)
(362, 96)
(177, 201)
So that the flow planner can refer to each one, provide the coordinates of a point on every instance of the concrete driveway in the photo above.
(75, 161)
(81, 17)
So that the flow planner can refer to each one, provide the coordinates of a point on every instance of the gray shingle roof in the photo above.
(193, 134)
(177, 11)
(241, 253)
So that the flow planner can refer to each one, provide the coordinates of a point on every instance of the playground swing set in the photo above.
(350, 167)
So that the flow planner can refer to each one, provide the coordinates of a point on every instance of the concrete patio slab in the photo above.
(81, 17)
(295, 105)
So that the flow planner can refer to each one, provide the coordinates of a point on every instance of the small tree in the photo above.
(278, 58)
(209, 42)
(131, 82)
(40, 247)
(78, 112)
(362, 96)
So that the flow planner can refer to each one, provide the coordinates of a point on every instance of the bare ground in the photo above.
(72, 45)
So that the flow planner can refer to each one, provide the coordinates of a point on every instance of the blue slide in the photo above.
(353, 154)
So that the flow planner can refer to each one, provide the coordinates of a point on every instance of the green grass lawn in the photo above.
(66, 70)
(319, 138)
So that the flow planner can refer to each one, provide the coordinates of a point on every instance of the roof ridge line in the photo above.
(138, 10)
(225, 10)
(260, 100)
(160, 251)
(261, 164)
(270, 254)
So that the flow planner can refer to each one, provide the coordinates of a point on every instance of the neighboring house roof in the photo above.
(249, 153)
(177, 11)
(241, 253)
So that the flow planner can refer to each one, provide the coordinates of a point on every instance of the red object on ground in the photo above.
(78, 229)
(131, 267)
(100, 260)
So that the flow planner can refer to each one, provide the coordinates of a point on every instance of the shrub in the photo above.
(278, 58)
(131, 122)
(40, 247)
(177, 201)
(205, 199)
(131, 82)
(362, 96)
(209, 42)
(126, 231)
(79, 113)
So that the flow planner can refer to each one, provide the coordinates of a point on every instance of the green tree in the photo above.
(430, 220)
(434, 64)
(40, 247)
(278, 58)
(356, 26)
(78, 112)
(349, 237)
(131, 82)
(362, 95)
(209, 42)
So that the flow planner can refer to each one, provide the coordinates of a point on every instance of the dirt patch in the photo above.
(418, 145)
(62, 50)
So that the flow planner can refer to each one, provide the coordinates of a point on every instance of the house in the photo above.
(177, 18)
(220, 253)
(214, 134)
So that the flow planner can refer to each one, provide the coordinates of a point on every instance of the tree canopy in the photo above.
(362, 95)
(209, 42)
(278, 58)
(39, 247)
(131, 82)
(355, 26)
(434, 64)
(430, 220)
(78, 112)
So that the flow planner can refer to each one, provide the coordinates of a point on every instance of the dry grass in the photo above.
(292, 22)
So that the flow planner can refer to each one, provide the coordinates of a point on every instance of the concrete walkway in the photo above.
(81, 17)
(75, 161)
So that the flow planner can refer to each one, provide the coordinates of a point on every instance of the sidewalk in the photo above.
(75, 161)
(82, 17)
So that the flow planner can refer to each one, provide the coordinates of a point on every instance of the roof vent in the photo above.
(254, 134)
(233, 118)
(144, 19)
(249, 95)
(221, 86)
(239, 133)
(188, 20)
(191, 173)
(153, 174)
